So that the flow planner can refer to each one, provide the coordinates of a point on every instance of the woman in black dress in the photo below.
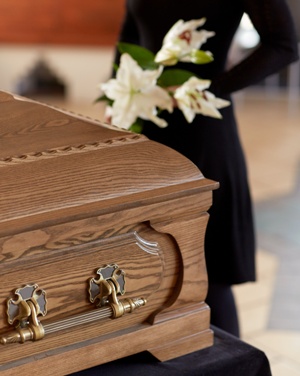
(213, 144)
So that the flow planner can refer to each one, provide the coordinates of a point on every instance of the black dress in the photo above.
(212, 144)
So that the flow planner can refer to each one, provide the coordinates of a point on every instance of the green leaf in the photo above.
(143, 56)
(115, 67)
(201, 57)
(174, 77)
(104, 98)
(101, 98)
(137, 127)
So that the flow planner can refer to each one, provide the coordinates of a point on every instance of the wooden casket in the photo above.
(101, 244)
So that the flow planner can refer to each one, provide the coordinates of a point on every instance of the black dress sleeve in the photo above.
(278, 47)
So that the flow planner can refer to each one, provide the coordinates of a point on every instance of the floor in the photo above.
(269, 308)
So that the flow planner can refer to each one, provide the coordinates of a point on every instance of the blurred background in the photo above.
(59, 51)
(64, 49)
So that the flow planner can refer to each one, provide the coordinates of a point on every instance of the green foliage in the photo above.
(174, 77)
(137, 127)
(143, 56)
(104, 98)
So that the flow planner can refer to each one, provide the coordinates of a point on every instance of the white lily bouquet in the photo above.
(143, 86)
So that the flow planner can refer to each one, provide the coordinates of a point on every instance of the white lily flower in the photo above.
(193, 99)
(181, 40)
(135, 94)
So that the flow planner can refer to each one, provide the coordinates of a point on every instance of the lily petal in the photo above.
(135, 94)
(180, 40)
(192, 99)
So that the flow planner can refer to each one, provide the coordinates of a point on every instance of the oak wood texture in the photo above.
(88, 23)
(76, 195)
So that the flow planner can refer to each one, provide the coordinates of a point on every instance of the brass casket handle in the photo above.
(31, 302)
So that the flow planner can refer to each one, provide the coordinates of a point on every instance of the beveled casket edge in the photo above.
(70, 149)
(103, 207)
(65, 111)
(92, 200)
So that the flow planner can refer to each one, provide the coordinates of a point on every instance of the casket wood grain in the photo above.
(76, 196)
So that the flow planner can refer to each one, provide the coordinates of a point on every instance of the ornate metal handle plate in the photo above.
(31, 302)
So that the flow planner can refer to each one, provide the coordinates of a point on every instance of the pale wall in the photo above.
(82, 69)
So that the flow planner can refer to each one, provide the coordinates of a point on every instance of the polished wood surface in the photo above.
(77, 195)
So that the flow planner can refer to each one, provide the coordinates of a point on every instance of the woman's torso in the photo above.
(154, 18)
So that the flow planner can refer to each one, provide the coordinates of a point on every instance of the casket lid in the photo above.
(55, 165)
